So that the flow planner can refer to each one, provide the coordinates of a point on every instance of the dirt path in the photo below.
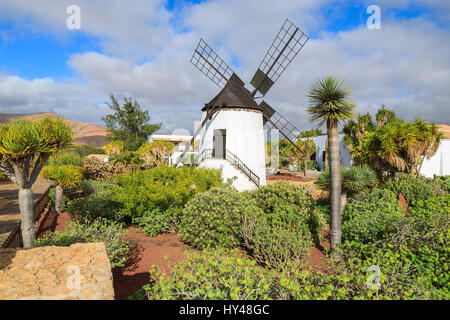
(9, 205)
(297, 178)
(146, 252)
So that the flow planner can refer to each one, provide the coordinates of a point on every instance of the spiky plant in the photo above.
(66, 169)
(25, 146)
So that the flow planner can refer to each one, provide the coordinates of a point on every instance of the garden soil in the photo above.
(163, 251)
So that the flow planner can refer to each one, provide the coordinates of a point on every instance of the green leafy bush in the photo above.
(281, 197)
(154, 222)
(88, 231)
(213, 218)
(85, 150)
(153, 198)
(128, 158)
(372, 218)
(428, 234)
(212, 274)
(3, 176)
(100, 201)
(444, 182)
(413, 188)
(412, 264)
(285, 227)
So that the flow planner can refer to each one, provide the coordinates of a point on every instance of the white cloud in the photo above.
(404, 65)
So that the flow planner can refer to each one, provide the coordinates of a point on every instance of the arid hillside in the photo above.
(84, 133)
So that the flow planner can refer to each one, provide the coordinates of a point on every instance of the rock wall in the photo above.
(80, 272)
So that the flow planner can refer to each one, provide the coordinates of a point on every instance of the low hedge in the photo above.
(413, 188)
(373, 218)
(213, 218)
(285, 228)
(88, 231)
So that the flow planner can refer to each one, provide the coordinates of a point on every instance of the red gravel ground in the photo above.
(148, 251)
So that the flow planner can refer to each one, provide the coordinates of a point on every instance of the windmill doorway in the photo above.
(219, 143)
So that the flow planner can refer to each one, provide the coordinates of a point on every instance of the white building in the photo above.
(181, 142)
(345, 155)
(233, 140)
(439, 164)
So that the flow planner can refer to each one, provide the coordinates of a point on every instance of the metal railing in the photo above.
(233, 159)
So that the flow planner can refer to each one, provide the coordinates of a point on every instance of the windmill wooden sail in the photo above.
(287, 44)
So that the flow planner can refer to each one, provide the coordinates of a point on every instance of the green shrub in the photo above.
(272, 241)
(88, 187)
(213, 218)
(153, 198)
(428, 232)
(444, 182)
(154, 222)
(413, 188)
(3, 176)
(127, 158)
(86, 231)
(100, 201)
(85, 150)
(285, 227)
(373, 218)
(282, 196)
(65, 158)
(211, 274)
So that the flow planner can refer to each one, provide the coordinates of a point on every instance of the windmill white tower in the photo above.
(232, 133)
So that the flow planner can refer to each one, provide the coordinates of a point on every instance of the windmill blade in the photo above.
(211, 65)
(274, 120)
(287, 44)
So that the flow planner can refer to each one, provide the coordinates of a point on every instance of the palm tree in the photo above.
(25, 146)
(330, 103)
(383, 116)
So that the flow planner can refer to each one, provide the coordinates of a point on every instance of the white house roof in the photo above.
(171, 138)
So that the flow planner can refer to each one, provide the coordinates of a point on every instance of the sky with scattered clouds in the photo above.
(142, 48)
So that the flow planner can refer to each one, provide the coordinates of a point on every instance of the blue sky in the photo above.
(32, 54)
(151, 41)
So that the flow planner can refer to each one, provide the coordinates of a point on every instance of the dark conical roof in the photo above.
(233, 95)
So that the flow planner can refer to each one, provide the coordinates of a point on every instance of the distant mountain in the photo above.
(84, 133)
(445, 129)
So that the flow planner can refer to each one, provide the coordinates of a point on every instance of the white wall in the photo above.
(345, 155)
(439, 164)
(244, 137)
(242, 182)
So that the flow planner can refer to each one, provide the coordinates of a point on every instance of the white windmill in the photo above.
(232, 128)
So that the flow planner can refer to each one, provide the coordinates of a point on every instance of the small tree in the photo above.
(66, 169)
(25, 146)
(129, 124)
